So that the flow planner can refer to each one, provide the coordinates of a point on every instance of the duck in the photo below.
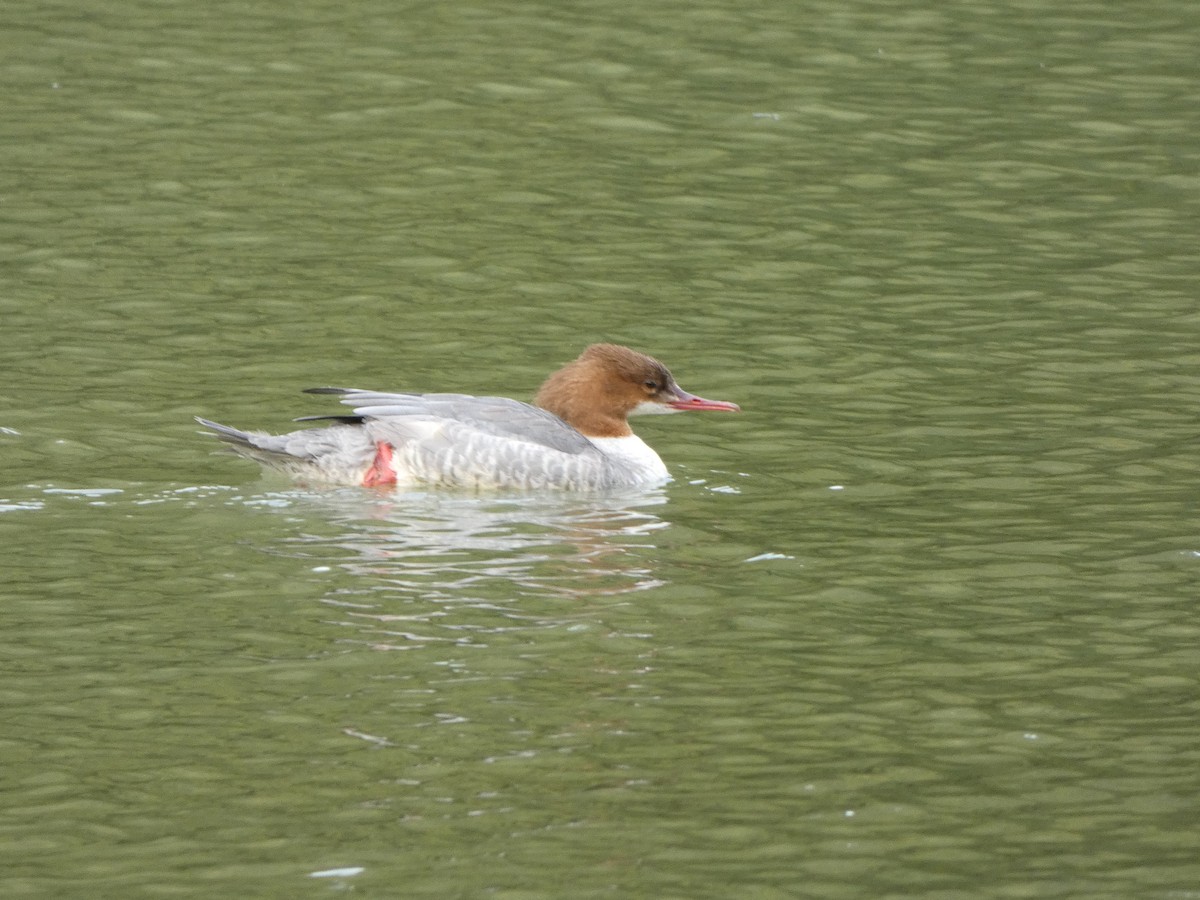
(574, 436)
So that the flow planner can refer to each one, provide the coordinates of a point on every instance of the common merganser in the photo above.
(575, 437)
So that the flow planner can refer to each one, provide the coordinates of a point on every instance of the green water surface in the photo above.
(921, 622)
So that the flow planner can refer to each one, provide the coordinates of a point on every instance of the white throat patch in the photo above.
(649, 408)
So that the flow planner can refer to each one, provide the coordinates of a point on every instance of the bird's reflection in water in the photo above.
(433, 567)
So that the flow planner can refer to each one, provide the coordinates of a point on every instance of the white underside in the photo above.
(631, 457)
(634, 456)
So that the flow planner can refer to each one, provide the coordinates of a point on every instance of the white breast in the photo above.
(634, 458)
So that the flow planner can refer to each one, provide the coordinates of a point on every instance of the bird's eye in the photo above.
(652, 384)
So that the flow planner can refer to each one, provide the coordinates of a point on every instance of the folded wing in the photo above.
(465, 440)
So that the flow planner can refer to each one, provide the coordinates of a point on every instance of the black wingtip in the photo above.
(344, 420)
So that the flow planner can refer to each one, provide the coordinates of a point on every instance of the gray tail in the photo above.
(228, 434)
(267, 449)
(339, 453)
